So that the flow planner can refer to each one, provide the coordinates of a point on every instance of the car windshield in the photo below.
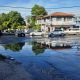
(39, 31)
(57, 30)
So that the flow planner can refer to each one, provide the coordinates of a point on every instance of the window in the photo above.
(69, 19)
(64, 19)
(53, 19)
(58, 19)
(75, 26)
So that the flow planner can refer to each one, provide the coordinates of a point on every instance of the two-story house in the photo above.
(56, 20)
(77, 20)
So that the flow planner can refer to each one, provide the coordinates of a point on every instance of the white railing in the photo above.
(57, 22)
(64, 23)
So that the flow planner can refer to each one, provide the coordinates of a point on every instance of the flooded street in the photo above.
(41, 62)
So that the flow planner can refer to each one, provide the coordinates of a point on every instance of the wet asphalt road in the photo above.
(50, 65)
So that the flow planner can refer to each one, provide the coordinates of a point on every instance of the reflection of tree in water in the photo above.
(38, 48)
(15, 47)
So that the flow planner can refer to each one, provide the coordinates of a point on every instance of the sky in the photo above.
(44, 3)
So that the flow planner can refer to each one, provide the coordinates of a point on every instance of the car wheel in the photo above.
(33, 35)
(63, 35)
(42, 35)
(22, 35)
(18, 35)
(49, 35)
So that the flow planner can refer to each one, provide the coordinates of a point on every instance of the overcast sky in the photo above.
(44, 3)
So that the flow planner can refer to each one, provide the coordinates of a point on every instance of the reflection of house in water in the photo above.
(54, 45)
(78, 50)
(61, 47)
(78, 47)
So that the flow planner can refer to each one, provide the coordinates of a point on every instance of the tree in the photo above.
(31, 20)
(20, 27)
(37, 27)
(15, 19)
(15, 47)
(5, 24)
(36, 12)
(38, 48)
(11, 20)
(3, 21)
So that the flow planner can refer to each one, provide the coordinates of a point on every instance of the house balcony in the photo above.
(57, 22)
(64, 23)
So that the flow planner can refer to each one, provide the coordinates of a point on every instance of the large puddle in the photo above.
(44, 63)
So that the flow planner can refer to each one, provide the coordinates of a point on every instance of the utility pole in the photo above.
(50, 23)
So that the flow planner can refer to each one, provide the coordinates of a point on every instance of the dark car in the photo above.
(56, 33)
(0, 33)
(20, 33)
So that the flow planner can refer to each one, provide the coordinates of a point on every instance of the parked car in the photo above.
(28, 31)
(20, 33)
(8, 32)
(56, 33)
(72, 32)
(37, 33)
(0, 33)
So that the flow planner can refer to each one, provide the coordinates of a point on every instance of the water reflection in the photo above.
(14, 47)
(66, 61)
(38, 48)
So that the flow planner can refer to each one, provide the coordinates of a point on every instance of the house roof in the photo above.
(58, 14)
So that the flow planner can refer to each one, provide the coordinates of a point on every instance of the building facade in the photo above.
(60, 20)
(77, 20)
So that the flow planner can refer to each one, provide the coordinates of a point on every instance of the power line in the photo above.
(15, 7)
(72, 11)
(50, 10)
(65, 7)
(45, 8)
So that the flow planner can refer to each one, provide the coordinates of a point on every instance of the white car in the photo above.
(56, 32)
(37, 33)
(73, 32)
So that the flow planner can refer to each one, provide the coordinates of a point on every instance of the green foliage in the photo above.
(14, 47)
(31, 20)
(5, 24)
(38, 48)
(36, 12)
(20, 27)
(37, 27)
(11, 20)
(1, 27)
